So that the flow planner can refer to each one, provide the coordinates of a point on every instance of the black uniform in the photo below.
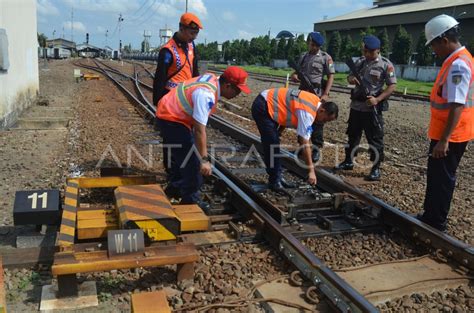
(315, 66)
(362, 117)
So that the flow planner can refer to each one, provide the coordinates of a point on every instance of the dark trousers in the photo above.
(317, 137)
(440, 183)
(365, 121)
(270, 138)
(184, 165)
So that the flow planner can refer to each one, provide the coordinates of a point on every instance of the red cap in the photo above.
(188, 18)
(237, 76)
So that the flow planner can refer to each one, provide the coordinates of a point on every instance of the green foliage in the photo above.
(145, 46)
(348, 48)
(367, 31)
(413, 87)
(424, 56)
(384, 42)
(42, 40)
(401, 46)
(299, 47)
(127, 48)
(281, 49)
(273, 48)
(335, 46)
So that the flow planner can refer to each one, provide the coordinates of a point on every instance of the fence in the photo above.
(419, 73)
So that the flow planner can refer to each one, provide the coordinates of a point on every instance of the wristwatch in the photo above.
(205, 159)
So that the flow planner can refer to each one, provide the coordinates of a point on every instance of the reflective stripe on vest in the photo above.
(177, 106)
(292, 102)
(182, 67)
(182, 87)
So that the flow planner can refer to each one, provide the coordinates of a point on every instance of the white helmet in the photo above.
(438, 25)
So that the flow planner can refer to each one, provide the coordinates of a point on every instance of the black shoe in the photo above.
(172, 192)
(277, 187)
(287, 184)
(346, 165)
(316, 155)
(374, 174)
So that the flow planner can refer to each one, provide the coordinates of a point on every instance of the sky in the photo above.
(222, 19)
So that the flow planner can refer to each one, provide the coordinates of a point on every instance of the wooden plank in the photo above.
(25, 257)
(378, 284)
(70, 263)
(95, 214)
(147, 302)
(194, 221)
(112, 181)
(3, 303)
(96, 228)
(192, 217)
(187, 208)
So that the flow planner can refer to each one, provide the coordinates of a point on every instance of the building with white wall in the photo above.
(19, 78)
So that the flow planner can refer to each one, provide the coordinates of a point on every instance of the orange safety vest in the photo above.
(464, 130)
(177, 105)
(282, 104)
(182, 67)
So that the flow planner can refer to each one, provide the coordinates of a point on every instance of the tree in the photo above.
(42, 40)
(424, 56)
(384, 42)
(367, 31)
(281, 49)
(401, 46)
(145, 46)
(273, 48)
(334, 46)
(298, 48)
(289, 47)
(127, 48)
(348, 49)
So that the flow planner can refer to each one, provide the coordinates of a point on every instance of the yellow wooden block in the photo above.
(95, 228)
(95, 214)
(150, 302)
(192, 217)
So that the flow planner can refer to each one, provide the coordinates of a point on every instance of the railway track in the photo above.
(335, 88)
(335, 208)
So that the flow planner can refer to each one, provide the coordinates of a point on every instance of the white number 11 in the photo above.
(34, 200)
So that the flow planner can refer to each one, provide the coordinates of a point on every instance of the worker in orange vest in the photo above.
(274, 110)
(452, 117)
(177, 60)
(182, 116)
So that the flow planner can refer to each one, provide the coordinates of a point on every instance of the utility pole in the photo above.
(120, 20)
(186, 5)
(106, 35)
(72, 24)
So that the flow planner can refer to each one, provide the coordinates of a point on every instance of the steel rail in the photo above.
(452, 248)
(339, 293)
(337, 88)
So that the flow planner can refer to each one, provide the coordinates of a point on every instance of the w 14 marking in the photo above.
(125, 241)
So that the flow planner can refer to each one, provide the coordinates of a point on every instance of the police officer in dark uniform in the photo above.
(366, 110)
(314, 64)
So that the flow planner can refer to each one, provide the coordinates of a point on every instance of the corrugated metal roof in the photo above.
(398, 9)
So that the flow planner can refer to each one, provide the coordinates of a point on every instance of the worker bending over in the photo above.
(274, 110)
(182, 116)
